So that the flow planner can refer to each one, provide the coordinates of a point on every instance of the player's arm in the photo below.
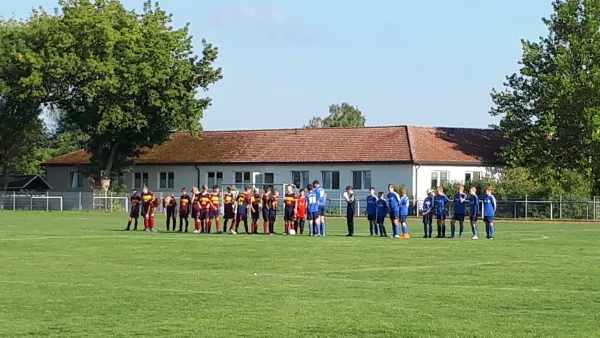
(495, 205)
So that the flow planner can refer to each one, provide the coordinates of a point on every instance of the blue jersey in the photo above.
(427, 203)
(393, 201)
(312, 202)
(372, 205)
(459, 207)
(381, 207)
(489, 206)
(474, 205)
(404, 205)
(440, 203)
(320, 193)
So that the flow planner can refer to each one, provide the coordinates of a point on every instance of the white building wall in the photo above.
(423, 175)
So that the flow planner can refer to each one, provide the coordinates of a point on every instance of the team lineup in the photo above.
(249, 206)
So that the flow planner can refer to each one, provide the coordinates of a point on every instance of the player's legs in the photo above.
(217, 218)
(438, 219)
(429, 225)
(461, 222)
(322, 228)
(425, 225)
(443, 225)
(272, 218)
(473, 219)
(453, 226)
(394, 215)
(405, 234)
(491, 226)
(265, 215)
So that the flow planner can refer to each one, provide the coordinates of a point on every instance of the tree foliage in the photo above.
(550, 110)
(344, 115)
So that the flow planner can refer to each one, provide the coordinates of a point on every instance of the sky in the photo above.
(428, 63)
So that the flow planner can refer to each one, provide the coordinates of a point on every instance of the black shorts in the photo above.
(458, 217)
(473, 218)
(380, 219)
(428, 218)
(183, 214)
(144, 211)
(288, 213)
(135, 213)
(228, 213)
(371, 218)
(488, 219)
(272, 215)
(194, 213)
(202, 215)
(440, 215)
(255, 215)
(265, 214)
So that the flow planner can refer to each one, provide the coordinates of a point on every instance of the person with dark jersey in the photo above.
(428, 214)
(440, 204)
(372, 212)
(350, 198)
(289, 201)
(204, 208)
(300, 212)
(147, 196)
(265, 210)
(196, 209)
(228, 208)
(153, 204)
(460, 209)
(134, 213)
(273, 212)
(215, 209)
(185, 203)
(255, 205)
(170, 208)
(243, 201)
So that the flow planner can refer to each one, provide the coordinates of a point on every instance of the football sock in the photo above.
(492, 230)
(429, 230)
(371, 230)
(128, 225)
(135, 224)
(487, 230)
(405, 229)
(287, 227)
(322, 228)
(168, 223)
(271, 227)
(382, 230)
(425, 229)
(443, 230)
(302, 226)
(462, 228)
(376, 228)
(396, 230)
(452, 229)
(439, 231)
(474, 229)
(246, 226)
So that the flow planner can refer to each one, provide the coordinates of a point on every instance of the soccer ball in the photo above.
(292, 232)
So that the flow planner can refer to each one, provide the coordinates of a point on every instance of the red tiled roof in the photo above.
(454, 145)
(273, 146)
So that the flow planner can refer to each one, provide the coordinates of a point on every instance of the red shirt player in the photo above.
(153, 204)
(300, 211)
(215, 209)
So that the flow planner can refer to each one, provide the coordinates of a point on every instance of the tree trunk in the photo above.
(105, 174)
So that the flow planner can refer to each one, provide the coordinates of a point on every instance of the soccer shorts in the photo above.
(428, 218)
(321, 210)
(473, 217)
(403, 218)
(380, 219)
(202, 215)
(272, 215)
(255, 216)
(458, 217)
(440, 215)
(265, 214)
(288, 213)
(488, 219)
(371, 217)
(144, 211)
(240, 217)
(195, 213)
(134, 213)
(214, 213)
(183, 213)
(228, 213)
(312, 215)
(394, 215)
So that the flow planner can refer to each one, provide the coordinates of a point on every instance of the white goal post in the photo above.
(111, 203)
(47, 203)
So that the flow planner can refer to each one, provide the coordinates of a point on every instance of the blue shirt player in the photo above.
(372, 212)
(393, 200)
(382, 209)
(489, 211)
(473, 211)
(404, 202)
(428, 214)
(322, 198)
(460, 210)
(441, 203)
(312, 210)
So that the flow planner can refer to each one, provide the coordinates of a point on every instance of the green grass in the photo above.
(77, 275)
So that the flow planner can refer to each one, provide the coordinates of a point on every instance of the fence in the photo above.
(525, 208)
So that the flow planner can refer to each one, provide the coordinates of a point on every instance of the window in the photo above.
(331, 180)
(361, 180)
(242, 177)
(75, 180)
(167, 180)
(140, 180)
(267, 179)
(300, 179)
(438, 178)
(472, 176)
(214, 178)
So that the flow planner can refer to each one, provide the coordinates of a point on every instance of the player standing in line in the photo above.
(322, 198)
(215, 209)
(394, 206)
(441, 206)
(372, 212)
(382, 209)
(459, 212)
(428, 214)
(196, 209)
(170, 209)
(273, 204)
(243, 201)
(153, 204)
(184, 209)
(265, 209)
(489, 211)
(228, 208)
(313, 215)
(255, 205)
(404, 202)
(473, 211)
(147, 197)
(204, 208)
(300, 211)
(290, 206)
(134, 213)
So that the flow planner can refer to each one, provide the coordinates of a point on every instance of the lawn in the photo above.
(79, 275)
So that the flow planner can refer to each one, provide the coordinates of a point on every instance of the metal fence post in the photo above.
(111, 205)
(560, 207)
(515, 209)
(587, 211)
(340, 212)
(80, 202)
(14, 200)
(594, 218)
(31, 203)
(551, 218)
(526, 207)
(47, 201)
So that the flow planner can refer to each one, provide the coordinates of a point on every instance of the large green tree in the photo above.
(344, 115)
(126, 80)
(550, 110)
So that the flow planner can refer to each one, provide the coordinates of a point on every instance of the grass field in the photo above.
(80, 275)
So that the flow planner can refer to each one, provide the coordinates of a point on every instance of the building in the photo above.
(417, 157)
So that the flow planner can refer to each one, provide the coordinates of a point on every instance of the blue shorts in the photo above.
(428, 218)
(371, 217)
(380, 219)
(321, 210)
(312, 215)
(272, 215)
(473, 218)
(288, 213)
(214, 213)
(440, 215)
(265, 214)
(403, 218)
(241, 217)
(488, 219)
(458, 217)
(394, 215)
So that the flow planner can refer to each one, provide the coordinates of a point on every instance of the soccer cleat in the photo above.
(475, 238)
(153, 230)
(491, 238)
(396, 236)
(233, 231)
(196, 231)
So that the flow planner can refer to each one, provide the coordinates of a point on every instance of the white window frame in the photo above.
(302, 180)
(260, 179)
(473, 174)
(330, 186)
(75, 175)
(142, 184)
(169, 182)
(438, 178)
(363, 179)
(215, 179)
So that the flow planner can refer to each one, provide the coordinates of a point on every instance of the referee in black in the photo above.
(350, 209)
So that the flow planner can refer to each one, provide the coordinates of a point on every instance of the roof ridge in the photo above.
(293, 129)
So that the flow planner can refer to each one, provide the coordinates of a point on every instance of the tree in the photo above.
(550, 110)
(125, 80)
(343, 115)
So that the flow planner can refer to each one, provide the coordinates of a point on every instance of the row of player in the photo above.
(309, 205)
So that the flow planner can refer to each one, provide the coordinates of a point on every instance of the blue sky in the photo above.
(430, 63)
